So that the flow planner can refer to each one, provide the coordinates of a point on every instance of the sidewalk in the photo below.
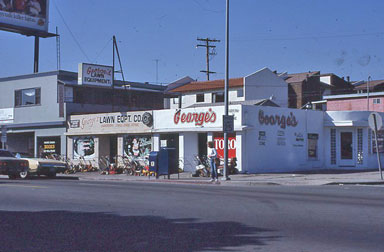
(288, 179)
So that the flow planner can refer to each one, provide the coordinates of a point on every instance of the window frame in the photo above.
(200, 96)
(215, 95)
(18, 95)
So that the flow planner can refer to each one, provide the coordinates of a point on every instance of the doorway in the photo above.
(346, 149)
(112, 147)
(202, 148)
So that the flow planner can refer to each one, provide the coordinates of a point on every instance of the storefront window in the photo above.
(137, 146)
(380, 141)
(360, 146)
(333, 146)
(84, 147)
(48, 146)
(312, 145)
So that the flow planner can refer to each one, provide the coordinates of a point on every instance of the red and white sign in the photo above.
(195, 118)
(219, 146)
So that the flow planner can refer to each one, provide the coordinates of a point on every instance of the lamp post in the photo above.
(225, 177)
(369, 79)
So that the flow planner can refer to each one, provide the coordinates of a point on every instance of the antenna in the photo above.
(58, 48)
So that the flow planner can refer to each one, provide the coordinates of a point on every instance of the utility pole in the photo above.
(208, 47)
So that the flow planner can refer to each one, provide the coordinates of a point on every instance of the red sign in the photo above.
(219, 146)
(281, 120)
(197, 118)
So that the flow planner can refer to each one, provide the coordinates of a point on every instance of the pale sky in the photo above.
(344, 37)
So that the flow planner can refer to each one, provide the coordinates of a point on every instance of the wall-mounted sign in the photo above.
(280, 120)
(111, 123)
(6, 115)
(219, 146)
(95, 75)
(192, 118)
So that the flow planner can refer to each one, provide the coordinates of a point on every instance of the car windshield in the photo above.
(4, 153)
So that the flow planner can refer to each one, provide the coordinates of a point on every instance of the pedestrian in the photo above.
(212, 155)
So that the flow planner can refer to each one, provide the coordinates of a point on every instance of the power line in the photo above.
(208, 52)
(70, 32)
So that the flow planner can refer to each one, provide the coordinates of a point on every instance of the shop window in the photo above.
(218, 97)
(369, 141)
(27, 97)
(199, 97)
(312, 146)
(360, 146)
(376, 101)
(380, 142)
(333, 146)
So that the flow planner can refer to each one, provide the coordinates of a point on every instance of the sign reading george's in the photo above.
(97, 75)
(192, 118)
(24, 15)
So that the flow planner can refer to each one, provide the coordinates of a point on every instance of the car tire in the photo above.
(23, 174)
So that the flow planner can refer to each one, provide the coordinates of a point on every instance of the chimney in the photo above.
(348, 79)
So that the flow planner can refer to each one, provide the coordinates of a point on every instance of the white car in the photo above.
(44, 166)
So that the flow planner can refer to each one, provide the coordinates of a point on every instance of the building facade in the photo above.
(34, 108)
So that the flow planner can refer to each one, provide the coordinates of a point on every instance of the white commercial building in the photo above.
(266, 139)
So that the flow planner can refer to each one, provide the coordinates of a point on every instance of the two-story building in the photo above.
(261, 85)
(34, 108)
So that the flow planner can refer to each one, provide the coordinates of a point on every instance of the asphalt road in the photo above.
(71, 215)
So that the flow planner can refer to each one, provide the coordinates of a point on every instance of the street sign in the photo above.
(375, 123)
(371, 121)
(228, 124)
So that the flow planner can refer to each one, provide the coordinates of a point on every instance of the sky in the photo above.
(157, 38)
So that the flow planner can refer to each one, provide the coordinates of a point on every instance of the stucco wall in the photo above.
(359, 104)
(278, 148)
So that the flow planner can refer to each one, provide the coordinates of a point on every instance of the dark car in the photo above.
(11, 166)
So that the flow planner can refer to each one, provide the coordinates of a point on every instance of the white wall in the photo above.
(283, 149)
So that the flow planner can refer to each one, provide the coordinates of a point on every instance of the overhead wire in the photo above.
(70, 31)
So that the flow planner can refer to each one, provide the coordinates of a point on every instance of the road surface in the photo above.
(72, 215)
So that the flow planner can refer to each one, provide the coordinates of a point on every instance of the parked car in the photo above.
(12, 166)
(43, 166)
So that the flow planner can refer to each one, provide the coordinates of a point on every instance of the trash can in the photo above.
(153, 161)
(167, 162)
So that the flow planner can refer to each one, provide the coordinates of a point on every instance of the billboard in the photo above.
(24, 15)
(98, 75)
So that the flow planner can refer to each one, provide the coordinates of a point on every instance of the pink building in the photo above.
(356, 102)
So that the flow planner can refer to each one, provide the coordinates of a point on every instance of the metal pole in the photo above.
(369, 77)
(377, 147)
(226, 91)
(113, 73)
(36, 59)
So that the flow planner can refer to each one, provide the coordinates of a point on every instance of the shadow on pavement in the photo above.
(79, 231)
